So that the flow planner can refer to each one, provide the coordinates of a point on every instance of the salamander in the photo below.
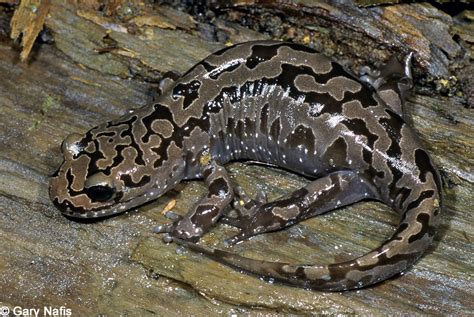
(281, 104)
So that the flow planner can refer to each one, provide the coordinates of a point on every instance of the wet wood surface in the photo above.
(100, 66)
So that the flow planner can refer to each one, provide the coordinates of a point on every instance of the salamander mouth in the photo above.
(81, 213)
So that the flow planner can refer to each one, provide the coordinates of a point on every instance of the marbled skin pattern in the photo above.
(277, 103)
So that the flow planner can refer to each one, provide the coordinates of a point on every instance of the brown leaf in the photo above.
(169, 206)
(28, 20)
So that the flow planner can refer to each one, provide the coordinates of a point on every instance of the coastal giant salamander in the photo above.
(278, 103)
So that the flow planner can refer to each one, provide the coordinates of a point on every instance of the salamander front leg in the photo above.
(244, 206)
(327, 193)
(207, 211)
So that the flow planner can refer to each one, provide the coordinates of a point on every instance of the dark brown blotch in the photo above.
(203, 215)
(218, 186)
(398, 233)
(359, 127)
(424, 219)
(393, 126)
(261, 54)
(423, 162)
(128, 181)
(302, 137)
(424, 195)
(275, 129)
(188, 91)
(337, 153)
(264, 119)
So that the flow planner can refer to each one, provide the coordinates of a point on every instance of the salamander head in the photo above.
(106, 172)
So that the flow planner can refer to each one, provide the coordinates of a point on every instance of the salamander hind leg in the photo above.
(324, 194)
(392, 81)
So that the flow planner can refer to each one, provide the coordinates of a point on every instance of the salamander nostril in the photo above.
(100, 193)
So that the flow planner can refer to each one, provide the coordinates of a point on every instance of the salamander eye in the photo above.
(100, 187)
(100, 193)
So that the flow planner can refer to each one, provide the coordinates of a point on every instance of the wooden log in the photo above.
(100, 66)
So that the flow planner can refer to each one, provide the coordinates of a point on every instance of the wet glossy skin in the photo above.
(281, 104)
